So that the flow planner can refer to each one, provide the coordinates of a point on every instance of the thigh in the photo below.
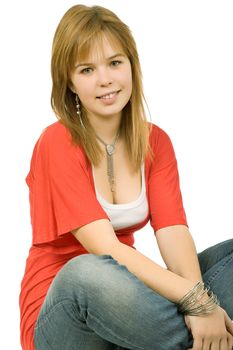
(58, 333)
(217, 270)
(60, 329)
(60, 325)
(212, 255)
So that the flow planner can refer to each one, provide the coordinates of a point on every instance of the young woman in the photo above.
(97, 175)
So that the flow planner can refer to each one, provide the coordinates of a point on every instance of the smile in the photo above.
(109, 95)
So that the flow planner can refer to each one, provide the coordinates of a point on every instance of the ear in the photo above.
(74, 92)
(71, 87)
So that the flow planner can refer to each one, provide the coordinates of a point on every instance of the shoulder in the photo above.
(55, 146)
(56, 138)
(53, 134)
(158, 137)
(161, 147)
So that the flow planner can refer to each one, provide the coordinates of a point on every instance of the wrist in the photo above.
(198, 301)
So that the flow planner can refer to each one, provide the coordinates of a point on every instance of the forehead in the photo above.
(99, 48)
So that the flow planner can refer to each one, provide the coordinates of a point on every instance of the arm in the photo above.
(99, 238)
(179, 254)
(178, 251)
(176, 245)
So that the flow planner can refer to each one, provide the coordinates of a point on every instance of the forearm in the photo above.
(99, 238)
(179, 252)
(164, 282)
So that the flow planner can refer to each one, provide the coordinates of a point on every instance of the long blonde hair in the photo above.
(78, 30)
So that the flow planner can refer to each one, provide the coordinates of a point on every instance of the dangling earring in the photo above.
(78, 110)
(77, 105)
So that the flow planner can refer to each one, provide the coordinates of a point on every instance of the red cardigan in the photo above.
(62, 198)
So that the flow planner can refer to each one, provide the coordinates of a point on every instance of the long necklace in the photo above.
(110, 149)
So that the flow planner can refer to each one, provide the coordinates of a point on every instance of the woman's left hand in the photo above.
(211, 332)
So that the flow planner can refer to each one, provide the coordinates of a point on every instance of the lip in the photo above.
(109, 94)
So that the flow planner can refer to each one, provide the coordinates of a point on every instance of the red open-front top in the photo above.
(62, 198)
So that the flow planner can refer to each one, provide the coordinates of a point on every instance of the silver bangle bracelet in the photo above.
(198, 301)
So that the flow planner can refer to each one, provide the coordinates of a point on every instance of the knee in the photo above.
(84, 271)
(88, 267)
(91, 274)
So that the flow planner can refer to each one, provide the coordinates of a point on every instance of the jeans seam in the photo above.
(41, 322)
(113, 334)
(44, 319)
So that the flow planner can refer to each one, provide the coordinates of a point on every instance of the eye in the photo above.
(115, 63)
(87, 70)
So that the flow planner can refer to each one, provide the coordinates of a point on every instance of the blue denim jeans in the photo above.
(95, 303)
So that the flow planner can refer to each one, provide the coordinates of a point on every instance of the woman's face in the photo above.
(104, 81)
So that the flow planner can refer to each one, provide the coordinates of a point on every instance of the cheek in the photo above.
(128, 80)
(83, 88)
(127, 77)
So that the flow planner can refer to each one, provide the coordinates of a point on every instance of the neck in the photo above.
(106, 128)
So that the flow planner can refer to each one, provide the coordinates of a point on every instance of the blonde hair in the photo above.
(79, 29)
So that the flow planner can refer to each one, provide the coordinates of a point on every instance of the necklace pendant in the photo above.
(110, 149)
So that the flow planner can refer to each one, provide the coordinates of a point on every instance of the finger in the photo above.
(207, 345)
(197, 344)
(229, 341)
(224, 344)
(229, 324)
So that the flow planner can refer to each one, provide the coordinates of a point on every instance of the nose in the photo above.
(104, 77)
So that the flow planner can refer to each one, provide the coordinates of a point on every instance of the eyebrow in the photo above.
(108, 59)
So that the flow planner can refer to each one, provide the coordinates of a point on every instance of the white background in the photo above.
(186, 51)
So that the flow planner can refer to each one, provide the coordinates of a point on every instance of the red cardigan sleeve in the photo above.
(165, 199)
(62, 196)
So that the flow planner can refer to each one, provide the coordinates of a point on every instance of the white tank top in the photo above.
(127, 214)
